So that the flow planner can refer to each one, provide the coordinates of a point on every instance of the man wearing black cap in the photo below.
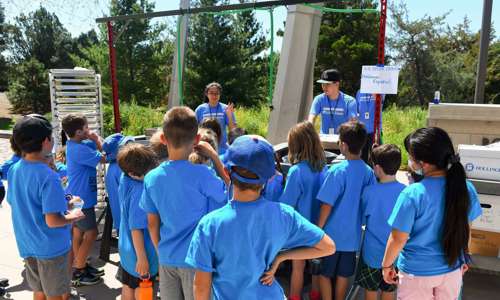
(334, 106)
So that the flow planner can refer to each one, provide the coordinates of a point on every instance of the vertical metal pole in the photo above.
(483, 51)
(114, 82)
(380, 61)
(174, 90)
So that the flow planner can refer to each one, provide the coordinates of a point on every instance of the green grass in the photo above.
(135, 119)
(254, 119)
(398, 123)
(6, 124)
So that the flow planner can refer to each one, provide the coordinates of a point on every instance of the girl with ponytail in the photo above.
(430, 221)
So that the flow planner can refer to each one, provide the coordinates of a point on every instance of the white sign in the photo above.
(379, 80)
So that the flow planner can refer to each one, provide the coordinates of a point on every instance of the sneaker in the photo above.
(94, 271)
(75, 295)
(83, 278)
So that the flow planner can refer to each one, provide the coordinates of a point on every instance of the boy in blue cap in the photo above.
(176, 195)
(82, 160)
(39, 211)
(111, 146)
(340, 215)
(237, 249)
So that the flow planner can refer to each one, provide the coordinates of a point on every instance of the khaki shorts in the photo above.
(50, 276)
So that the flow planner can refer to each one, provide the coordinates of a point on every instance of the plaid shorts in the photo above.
(372, 279)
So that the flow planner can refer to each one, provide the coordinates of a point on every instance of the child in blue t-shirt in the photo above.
(177, 194)
(4, 168)
(237, 249)
(82, 160)
(377, 203)
(304, 179)
(40, 211)
(340, 209)
(111, 146)
(430, 221)
(138, 258)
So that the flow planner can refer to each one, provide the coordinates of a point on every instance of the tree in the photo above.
(492, 88)
(143, 55)
(29, 88)
(3, 42)
(40, 36)
(413, 46)
(226, 49)
(347, 42)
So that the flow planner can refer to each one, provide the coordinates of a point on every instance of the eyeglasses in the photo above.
(214, 93)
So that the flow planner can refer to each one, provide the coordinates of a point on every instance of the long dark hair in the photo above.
(433, 146)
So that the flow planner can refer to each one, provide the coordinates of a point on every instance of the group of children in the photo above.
(211, 225)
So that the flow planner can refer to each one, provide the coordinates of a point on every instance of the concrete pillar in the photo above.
(294, 82)
(173, 95)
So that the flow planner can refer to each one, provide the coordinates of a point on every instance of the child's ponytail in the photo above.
(456, 224)
(433, 146)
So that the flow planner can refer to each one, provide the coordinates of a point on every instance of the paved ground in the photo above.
(477, 285)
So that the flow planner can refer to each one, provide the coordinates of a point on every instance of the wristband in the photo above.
(389, 267)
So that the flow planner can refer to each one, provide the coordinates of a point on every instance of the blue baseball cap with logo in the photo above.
(253, 153)
(113, 143)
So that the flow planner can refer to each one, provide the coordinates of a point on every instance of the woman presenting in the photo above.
(223, 113)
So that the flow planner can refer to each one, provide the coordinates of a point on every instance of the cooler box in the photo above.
(490, 219)
(481, 162)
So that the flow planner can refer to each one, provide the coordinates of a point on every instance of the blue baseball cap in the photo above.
(253, 153)
(113, 143)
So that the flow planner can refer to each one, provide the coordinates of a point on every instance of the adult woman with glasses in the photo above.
(212, 108)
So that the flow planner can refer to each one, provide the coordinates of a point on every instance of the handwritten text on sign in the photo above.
(379, 80)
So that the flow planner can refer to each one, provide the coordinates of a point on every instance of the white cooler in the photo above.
(481, 162)
(490, 219)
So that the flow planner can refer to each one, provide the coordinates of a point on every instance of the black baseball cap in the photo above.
(329, 76)
(30, 129)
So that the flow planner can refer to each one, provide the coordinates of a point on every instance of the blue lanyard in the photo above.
(332, 114)
(216, 110)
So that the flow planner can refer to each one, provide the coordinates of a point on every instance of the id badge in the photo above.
(367, 115)
(331, 130)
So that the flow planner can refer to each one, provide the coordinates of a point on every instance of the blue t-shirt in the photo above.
(7, 164)
(34, 191)
(334, 112)
(81, 162)
(181, 193)
(134, 218)
(377, 203)
(112, 181)
(301, 189)
(274, 187)
(342, 190)
(61, 169)
(205, 111)
(239, 242)
(366, 110)
(420, 211)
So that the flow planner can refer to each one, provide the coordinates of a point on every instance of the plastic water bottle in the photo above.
(437, 96)
(146, 289)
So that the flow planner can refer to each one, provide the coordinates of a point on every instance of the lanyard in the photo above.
(216, 110)
(332, 114)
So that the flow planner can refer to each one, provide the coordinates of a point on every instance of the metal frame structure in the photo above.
(74, 91)
(222, 8)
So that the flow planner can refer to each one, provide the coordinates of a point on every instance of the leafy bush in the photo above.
(397, 122)
(135, 119)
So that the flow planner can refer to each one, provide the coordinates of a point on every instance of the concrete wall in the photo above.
(473, 124)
